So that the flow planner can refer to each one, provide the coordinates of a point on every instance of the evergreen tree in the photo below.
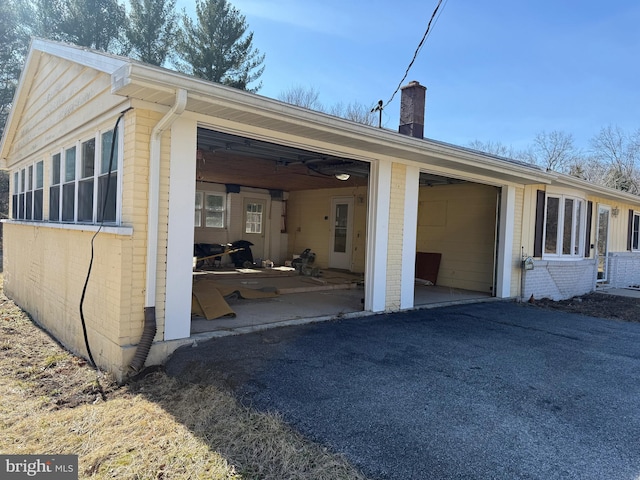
(218, 48)
(152, 30)
(48, 18)
(96, 24)
(14, 43)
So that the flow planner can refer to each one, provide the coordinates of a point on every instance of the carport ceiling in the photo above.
(225, 158)
(231, 159)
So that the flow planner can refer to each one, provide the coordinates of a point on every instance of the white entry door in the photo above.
(341, 232)
(602, 242)
(255, 225)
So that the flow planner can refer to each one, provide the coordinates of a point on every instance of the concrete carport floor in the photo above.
(490, 390)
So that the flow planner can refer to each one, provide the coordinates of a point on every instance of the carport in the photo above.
(457, 239)
(282, 201)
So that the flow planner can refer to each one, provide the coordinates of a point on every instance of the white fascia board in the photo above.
(26, 77)
(593, 189)
(134, 78)
(99, 61)
(102, 62)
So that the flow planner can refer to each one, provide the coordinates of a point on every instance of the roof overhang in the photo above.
(101, 62)
(247, 114)
(278, 122)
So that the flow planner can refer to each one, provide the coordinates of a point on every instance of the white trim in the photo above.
(181, 230)
(505, 242)
(203, 210)
(341, 260)
(562, 198)
(102, 62)
(115, 230)
(154, 194)
(377, 236)
(606, 208)
(409, 237)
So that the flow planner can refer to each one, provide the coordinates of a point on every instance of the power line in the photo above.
(415, 55)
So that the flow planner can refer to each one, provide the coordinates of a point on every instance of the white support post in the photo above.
(181, 229)
(377, 236)
(409, 237)
(505, 242)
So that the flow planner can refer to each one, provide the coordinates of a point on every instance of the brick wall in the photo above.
(396, 228)
(559, 280)
(624, 269)
(45, 270)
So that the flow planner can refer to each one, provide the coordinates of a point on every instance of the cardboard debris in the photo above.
(208, 298)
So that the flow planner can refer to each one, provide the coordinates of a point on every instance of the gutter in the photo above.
(150, 327)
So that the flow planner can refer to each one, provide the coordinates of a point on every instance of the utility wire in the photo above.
(114, 136)
(415, 55)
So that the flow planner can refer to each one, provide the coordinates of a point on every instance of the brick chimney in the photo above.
(412, 105)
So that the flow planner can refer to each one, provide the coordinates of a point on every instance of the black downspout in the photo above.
(148, 334)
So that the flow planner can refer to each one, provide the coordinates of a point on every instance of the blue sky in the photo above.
(496, 70)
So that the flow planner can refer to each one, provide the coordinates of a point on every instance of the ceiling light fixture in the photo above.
(342, 176)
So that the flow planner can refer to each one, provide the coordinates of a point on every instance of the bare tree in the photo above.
(554, 150)
(588, 168)
(499, 149)
(306, 97)
(619, 152)
(356, 112)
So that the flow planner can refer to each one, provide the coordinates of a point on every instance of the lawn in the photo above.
(155, 427)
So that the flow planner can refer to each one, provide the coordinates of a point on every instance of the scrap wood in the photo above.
(208, 299)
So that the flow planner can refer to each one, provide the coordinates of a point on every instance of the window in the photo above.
(214, 210)
(54, 189)
(27, 192)
(254, 218)
(38, 191)
(108, 178)
(28, 205)
(212, 206)
(634, 231)
(69, 185)
(16, 193)
(198, 215)
(84, 181)
(564, 226)
(85, 184)
(23, 175)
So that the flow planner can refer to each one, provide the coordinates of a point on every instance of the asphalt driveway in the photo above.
(494, 390)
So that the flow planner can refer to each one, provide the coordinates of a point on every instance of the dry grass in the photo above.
(598, 305)
(154, 428)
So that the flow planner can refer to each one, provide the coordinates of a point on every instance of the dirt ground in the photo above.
(597, 305)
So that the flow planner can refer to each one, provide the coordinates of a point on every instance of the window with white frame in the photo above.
(210, 210)
(564, 226)
(108, 177)
(16, 195)
(28, 195)
(27, 192)
(69, 185)
(21, 196)
(54, 189)
(38, 191)
(84, 181)
(254, 213)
